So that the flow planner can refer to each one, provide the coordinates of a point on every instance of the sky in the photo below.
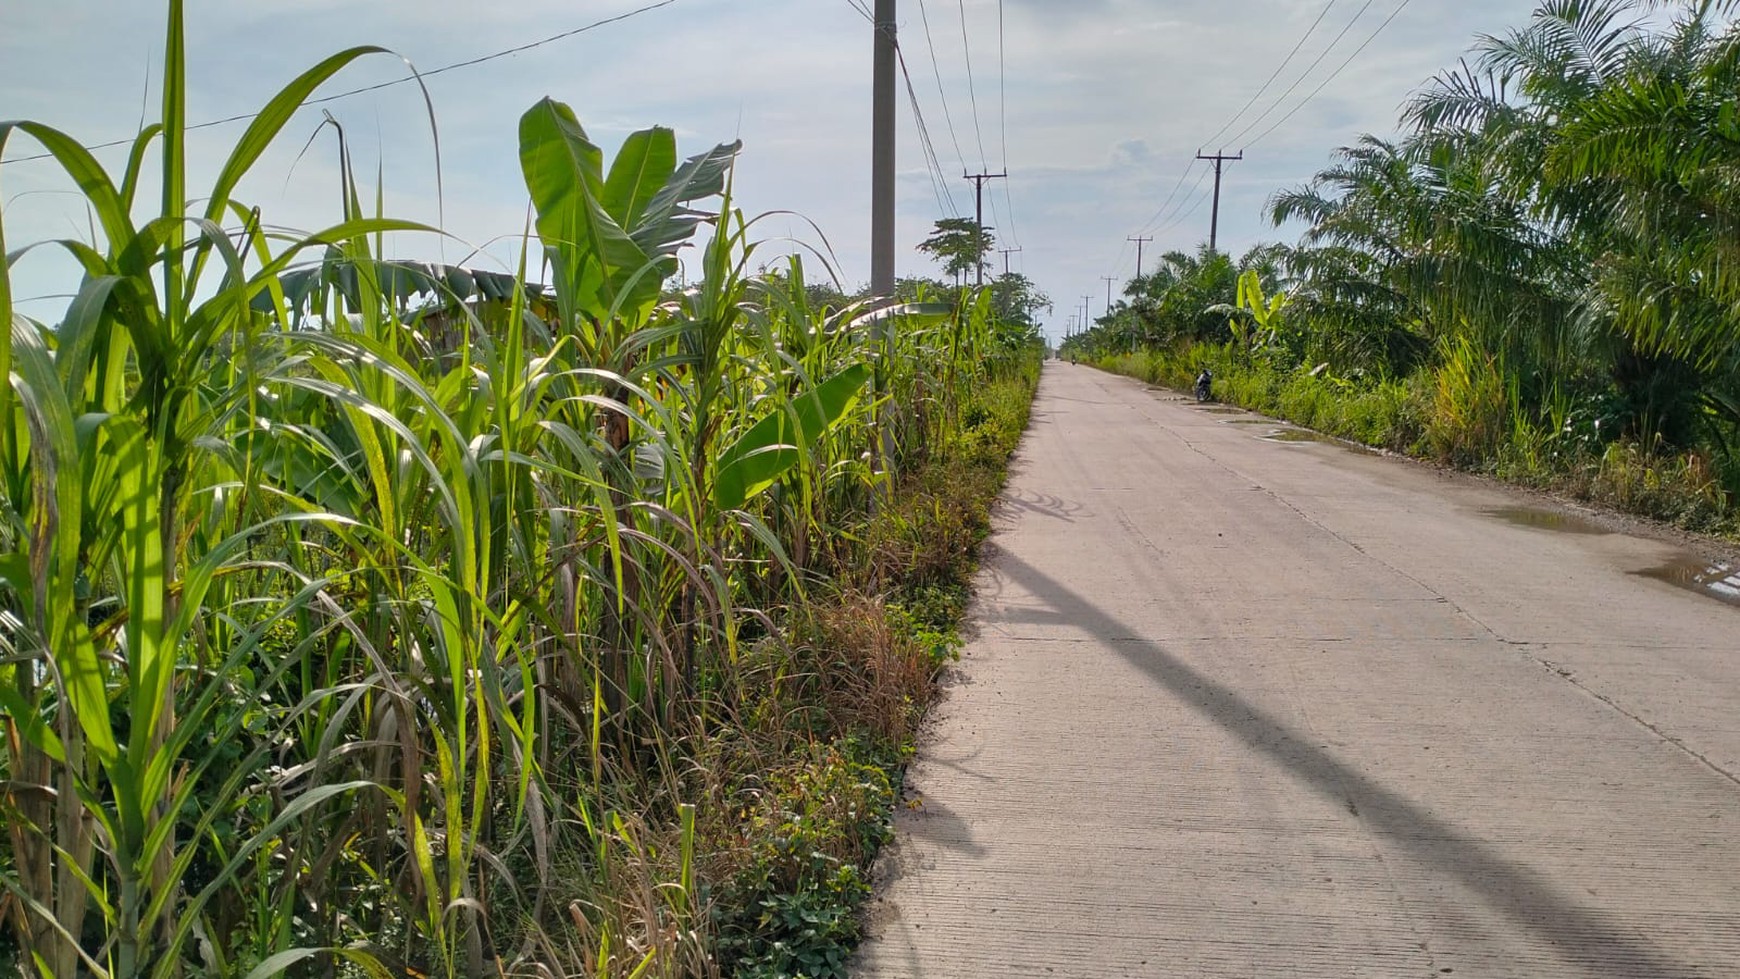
(1095, 108)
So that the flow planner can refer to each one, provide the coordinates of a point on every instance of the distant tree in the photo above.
(1018, 301)
(959, 244)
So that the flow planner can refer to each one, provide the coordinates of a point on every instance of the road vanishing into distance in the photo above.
(1244, 704)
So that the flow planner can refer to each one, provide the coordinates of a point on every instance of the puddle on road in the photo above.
(1553, 520)
(1298, 435)
(1301, 436)
(1718, 581)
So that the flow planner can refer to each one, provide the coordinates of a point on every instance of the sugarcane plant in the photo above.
(356, 614)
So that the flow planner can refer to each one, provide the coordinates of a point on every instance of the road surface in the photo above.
(1246, 707)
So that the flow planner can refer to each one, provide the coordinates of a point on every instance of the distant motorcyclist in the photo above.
(1204, 384)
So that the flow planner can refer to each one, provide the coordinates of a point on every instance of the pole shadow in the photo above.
(1581, 936)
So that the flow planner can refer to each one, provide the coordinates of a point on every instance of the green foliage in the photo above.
(1539, 269)
(960, 245)
(347, 635)
(1471, 413)
(791, 907)
(772, 446)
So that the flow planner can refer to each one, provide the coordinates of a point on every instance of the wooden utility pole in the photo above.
(1140, 241)
(1006, 252)
(1220, 160)
(1108, 280)
(882, 155)
(978, 180)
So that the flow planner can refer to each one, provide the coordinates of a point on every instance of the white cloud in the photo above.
(1107, 102)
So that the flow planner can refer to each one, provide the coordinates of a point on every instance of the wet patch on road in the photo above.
(1538, 519)
(1718, 581)
(1303, 436)
(1298, 435)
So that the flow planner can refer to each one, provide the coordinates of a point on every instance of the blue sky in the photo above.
(1105, 103)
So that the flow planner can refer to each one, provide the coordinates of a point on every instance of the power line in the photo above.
(1159, 223)
(1160, 214)
(972, 91)
(1003, 120)
(1272, 75)
(1179, 217)
(1334, 74)
(936, 67)
(978, 128)
(415, 76)
(1254, 123)
(1184, 216)
(939, 181)
(863, 11)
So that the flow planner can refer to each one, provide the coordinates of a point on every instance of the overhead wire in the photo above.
(936, 67)
(1233, 120)
(1334, 74)
(414, 76)
(972, 90)
(933, 166)
(1195, 195)
(1160, 213)
(1160, 222)
(1003, 121)
(1254, 123)
(978, 128)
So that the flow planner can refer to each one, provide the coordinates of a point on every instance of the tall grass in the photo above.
(347, 633)
(1462, 413)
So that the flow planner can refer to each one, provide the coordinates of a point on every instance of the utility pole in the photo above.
(1220, 160)
(882, 155)
(978, 180)
(1085, 300)
(1108, 280)
(1006, 252)
(1140, 241)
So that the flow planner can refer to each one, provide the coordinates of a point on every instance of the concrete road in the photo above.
(1246, 707)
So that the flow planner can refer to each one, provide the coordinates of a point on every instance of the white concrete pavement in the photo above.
(1240, 707)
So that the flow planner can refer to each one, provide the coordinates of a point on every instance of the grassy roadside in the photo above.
(794, 784)
(836, 709)
(1464, 420)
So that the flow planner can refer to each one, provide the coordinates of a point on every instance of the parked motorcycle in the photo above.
(1204, 385)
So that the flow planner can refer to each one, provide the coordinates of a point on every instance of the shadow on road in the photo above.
(937, 823)
(1582, 936)
(1043, 504)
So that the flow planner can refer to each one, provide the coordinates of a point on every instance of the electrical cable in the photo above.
(1254, 123)
(1195, 194)
(1334, 74)
(415, 76)
(972, 90)
(936, 67)
(1272, 75)
(933, 166)
(1160, 214)
(1003, 121)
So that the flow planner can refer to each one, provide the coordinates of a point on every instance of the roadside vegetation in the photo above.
(377, 618)
(1535, 281)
